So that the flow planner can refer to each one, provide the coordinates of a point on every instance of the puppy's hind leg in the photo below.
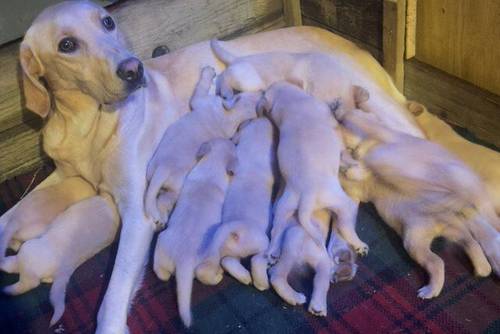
(234, 267)
(163, 265)
(321, 284)
(27, 281)
(259, 271)
(285, 208)
(307, 206)
(417, 243)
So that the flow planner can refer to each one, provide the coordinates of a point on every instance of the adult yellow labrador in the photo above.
(106, 111)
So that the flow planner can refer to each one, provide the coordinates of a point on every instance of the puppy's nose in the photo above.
(130, 70)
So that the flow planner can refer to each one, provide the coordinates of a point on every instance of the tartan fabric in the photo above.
(382, 298)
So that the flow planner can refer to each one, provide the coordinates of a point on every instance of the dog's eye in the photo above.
(108, 23)
(68, 45)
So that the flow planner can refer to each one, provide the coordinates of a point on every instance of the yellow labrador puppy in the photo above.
(107, 111)
(422, 192)
(211, 117)
(482, 160)
(308, 157)
(70, 240)
(33, 216)
(247, 208)
(180, 247)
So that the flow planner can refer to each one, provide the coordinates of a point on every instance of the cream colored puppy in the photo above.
(308, 156)
(423, 192)
(181, 246)
(482, 160)
(32, 217)
(210, 118)
(247, 208)
(319, 74)
(70, 240)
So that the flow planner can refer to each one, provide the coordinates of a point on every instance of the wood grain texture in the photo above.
(292, 12)
(454, 100)
(394, 40)
(461, 37)
(147, 24)
(411, 28)
(358, 20)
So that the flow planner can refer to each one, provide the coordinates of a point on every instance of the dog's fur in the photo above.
(70, 240)
(211, 117)
(247, 207)
(484, 161)
(33, 216)
(100, 130)
(422, 192)
(318, 74)
(308, 157)
(181, 246)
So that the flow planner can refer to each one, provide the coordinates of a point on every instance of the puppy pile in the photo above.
(272, 168)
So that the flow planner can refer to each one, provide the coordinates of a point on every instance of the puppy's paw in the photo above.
(298, 299)
(317, 308)
(483, 270)
(261, 283)
(427, 292)
(362, 249)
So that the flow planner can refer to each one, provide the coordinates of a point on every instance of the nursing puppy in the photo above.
(180, 247)
(247, 208)
(484, 161)
(308, 156)
(319, 74)
(211, 117)
(299, 249)
(32, 217)
(70, 240)
(422, 192)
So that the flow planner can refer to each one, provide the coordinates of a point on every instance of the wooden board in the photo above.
(147, 24)
(411, 28)
(292, 12)
(394, 40)
(461, 37)
(358, 20)
(454, 100)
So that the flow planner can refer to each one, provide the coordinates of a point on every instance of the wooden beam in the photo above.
(292, 12)
(454, 100)
(411, 28)
(394, 39)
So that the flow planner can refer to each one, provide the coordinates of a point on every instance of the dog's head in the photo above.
(76, 46)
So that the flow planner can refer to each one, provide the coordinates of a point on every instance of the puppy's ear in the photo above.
(232, 165)
(203, 150)
(262, 106)
(360, 95)
(36, 95)
(230, 103)
(415, 108)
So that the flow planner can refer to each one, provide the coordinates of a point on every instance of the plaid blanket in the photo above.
(382, 298)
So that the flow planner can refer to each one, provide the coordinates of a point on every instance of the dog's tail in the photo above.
(151, 198)
(58, 295)
(222, 54)
(184, 276)
(6, 235)
(305, 214)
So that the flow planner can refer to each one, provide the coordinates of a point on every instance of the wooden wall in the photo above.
(147, 24)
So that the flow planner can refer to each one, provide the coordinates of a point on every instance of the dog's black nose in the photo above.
(130, 70)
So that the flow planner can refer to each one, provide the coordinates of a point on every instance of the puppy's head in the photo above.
(75, 46)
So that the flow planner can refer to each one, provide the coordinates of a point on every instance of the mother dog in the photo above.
(106, 112)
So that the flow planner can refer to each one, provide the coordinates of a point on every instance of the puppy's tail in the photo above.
(222, 54)
(6, 235)
(58, 295)
(184, 275)
(151, 198)
(358, 120)
(305, 214)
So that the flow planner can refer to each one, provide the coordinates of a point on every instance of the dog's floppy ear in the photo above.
(232, 165)
(37, 96)
(262, 106)
(415, 108)
(203, 150)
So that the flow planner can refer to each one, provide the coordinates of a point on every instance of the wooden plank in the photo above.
(147, 24)
(394, 40)
(461, 37)
(358, 20)
(454, 100)
(411, 28)
(292, 12)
